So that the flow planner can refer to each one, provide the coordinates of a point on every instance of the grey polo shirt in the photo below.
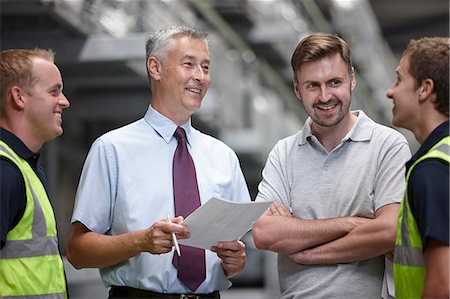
(363, 173)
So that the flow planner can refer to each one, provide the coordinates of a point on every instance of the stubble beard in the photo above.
(334, 120)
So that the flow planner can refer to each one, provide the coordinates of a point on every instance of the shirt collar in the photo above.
(436, 135)
(164, 126)
(361, 131)
(19, 147)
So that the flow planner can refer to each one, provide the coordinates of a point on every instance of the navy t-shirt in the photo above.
(428, 190)
(12, 186)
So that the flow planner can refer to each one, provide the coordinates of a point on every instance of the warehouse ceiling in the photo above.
(402, 20)
(399, 20)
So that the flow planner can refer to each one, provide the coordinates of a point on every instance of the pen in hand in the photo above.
(174, 238)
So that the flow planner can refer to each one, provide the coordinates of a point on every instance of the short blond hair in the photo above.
(16, 67)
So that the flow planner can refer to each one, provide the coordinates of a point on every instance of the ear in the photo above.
(16, 94)
(426, 89)
(296, 88)
(353, 79)
(154, 68)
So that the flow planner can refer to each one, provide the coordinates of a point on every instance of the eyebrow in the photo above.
(191, 57)
(308, 81)
(58, 86)
(317, 81)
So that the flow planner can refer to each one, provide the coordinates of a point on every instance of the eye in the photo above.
(312, 85)
(187, 63)
(205, 67)
(336, 82)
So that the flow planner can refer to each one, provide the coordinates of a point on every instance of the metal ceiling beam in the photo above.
(60, 11)
(95, 48)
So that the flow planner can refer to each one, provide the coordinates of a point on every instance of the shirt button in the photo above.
(325, 168)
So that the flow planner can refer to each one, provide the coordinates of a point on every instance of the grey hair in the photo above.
(158, 44)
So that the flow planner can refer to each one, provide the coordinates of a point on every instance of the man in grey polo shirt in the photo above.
(337, 184)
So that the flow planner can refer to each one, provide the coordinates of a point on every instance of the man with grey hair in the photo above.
(132, 178)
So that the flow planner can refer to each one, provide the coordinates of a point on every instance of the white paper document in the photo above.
(221, 220)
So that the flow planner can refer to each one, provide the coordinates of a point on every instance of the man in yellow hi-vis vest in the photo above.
(31, 105)
(421, 104)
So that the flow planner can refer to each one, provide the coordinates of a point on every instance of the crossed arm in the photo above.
(88, 249)
(327, 241)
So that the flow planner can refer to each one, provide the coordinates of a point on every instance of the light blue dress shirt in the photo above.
(126, 185)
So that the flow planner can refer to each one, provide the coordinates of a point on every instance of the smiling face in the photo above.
(404, 95)
(324, 86)
(182, 78)
(44, 101)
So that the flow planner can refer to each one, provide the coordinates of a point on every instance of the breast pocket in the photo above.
(208, 189)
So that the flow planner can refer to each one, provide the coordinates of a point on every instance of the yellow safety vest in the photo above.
(30, 262)
(409, 263)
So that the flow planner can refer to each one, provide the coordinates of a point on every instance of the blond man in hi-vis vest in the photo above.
(31, 105)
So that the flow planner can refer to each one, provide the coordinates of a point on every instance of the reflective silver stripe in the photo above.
(406, 242)
(29, 248)
(405, 254)
(40, 244)
(39, 227)
(47, 296)
(444, 148)
(409, 256)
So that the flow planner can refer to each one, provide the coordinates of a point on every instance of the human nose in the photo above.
(324, 95)
(389, 92)
(63, 101)
(199, 74)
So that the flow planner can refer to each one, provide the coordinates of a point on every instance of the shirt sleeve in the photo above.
(12, 198)
(96, 193)
(274, 185)
(428, 194)
(390, 184)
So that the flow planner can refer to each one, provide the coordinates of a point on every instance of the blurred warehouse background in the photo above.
(250, 104)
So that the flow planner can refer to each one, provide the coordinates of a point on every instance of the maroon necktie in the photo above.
(191, 265)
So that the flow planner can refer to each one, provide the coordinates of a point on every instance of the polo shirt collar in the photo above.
(361, 131)
(164, 126)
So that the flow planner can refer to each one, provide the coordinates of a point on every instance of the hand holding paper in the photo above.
(221, 220)
(232, 254)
